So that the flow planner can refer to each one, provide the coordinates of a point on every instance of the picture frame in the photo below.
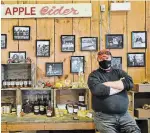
(116, 62)
(3, 41)
(21, 32)
(54, 69)
(77, 64)
(114, 41)
(89, 43)
(136, 59)
(139, 39)
(17, 56)
(42, 48)
(67, 43)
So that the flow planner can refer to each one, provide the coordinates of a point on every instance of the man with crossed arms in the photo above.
(109, 97)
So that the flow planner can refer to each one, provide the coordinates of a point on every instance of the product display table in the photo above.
(32, 122)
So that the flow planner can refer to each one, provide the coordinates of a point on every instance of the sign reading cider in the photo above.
(45, 10)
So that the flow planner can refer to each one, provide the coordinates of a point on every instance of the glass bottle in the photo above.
(42, 109)
(17, 83)
(4, 84)
(25, 83)
(49, 112)
(36, 107)
(8, 83)
(81, 98)
(29, 83)
(12, 83)
(21, 83)
(75, 109)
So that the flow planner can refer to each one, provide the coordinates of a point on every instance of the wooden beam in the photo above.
(70, 126)
(25, 126)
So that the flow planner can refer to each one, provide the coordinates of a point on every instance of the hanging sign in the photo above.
(46, 10)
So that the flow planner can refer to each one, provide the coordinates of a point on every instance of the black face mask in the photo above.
(105, 64)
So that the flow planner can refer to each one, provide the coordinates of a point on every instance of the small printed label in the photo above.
(41, 108)
(81, 98)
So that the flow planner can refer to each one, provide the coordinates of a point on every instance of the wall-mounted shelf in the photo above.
(40, 89)
(9, 89)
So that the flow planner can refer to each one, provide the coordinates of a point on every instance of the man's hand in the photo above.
(115, 84)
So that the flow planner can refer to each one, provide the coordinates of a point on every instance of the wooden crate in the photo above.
(142, 87)
(66, 96)
(18, 71)
(142, 113)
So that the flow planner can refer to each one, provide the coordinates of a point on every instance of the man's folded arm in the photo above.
(127, 80)
(96, 87)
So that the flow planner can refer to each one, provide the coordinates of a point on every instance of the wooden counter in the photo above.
(32, 122)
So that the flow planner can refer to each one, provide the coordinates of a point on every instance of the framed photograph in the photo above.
(136, 59)
(139, 39)
(89, 43)
(54, 69)
(67, 43)
(42, 48)
(3, 41)
(21, 32)
(114, 41)
(116, 62)
(77, 64)
(17, 56)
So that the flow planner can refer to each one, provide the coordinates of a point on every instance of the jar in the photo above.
(25, 83)
(12, 83)
(83, 107)
(70, 109)
(29, 82)
(4, 84)
(8, 83)
(17, 83)
(75, 109)
(21, 83)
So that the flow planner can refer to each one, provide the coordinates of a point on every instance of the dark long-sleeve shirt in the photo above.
(101, 100)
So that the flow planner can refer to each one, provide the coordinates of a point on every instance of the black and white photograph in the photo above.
(67, 43)
(89, 43)
(21, 32)
(136, 59)
(42, 48)
(17, 56)
(116, 62)
(139, 39)
(3, 41)
(77, 64)
(114, 41)
(54, 69)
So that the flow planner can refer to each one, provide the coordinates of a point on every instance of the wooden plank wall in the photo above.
(98, 25)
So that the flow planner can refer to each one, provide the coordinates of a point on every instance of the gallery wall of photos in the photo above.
(62, 47)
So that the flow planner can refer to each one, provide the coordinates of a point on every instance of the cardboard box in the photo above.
(142, 113)
(141, 88)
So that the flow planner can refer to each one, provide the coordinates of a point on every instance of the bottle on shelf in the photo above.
(25, 83)
(81, 100)
(17, 83)
(27, 106)
(8, 83)
(50, 111)
(21, 83)
(4, 85)
(45, 103)
(12, 83)
(29, 83)
(36, 107)
(42, 108)
(13, 109)
(75, 109)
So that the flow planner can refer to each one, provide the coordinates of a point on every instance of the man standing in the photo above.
(109, 97)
